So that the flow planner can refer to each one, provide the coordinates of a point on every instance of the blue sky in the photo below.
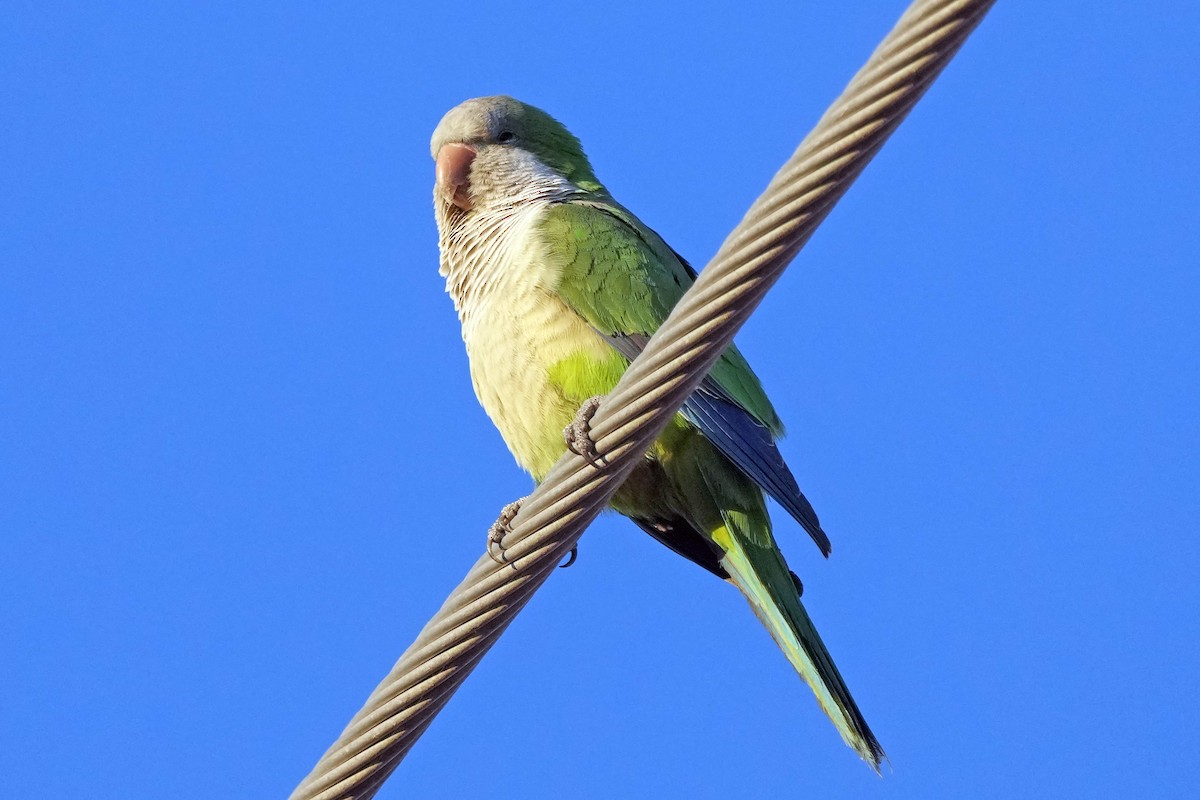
(241, 462)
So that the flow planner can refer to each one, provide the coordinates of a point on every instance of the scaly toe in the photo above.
(578, 435)
(501, 528)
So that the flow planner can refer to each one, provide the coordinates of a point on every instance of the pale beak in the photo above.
(454, 173)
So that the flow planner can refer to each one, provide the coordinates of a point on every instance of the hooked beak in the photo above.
(454, 173)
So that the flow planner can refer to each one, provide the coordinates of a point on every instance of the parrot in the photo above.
(558, 287)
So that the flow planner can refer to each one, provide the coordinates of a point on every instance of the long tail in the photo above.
(762, 575)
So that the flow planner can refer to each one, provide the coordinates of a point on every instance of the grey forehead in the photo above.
(477, 119)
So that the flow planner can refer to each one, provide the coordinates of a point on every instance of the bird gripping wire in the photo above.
(656, 384)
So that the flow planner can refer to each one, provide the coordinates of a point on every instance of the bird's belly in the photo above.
(516, 348)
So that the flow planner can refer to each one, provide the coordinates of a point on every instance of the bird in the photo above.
(557, 287)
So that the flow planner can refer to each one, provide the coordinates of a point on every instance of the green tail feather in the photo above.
(762, 575)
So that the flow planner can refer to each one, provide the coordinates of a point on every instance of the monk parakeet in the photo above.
(558, 287)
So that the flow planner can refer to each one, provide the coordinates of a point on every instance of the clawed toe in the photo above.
(578, 435)
(501, 528)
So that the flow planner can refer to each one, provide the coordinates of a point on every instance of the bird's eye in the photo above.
(505, 136)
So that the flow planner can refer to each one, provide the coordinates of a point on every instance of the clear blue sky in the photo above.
(241, 462)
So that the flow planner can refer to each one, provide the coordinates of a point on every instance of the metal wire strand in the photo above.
(700, 327)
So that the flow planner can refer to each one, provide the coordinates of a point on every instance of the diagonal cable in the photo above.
(674, 362)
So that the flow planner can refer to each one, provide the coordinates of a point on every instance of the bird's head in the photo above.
(491, 148)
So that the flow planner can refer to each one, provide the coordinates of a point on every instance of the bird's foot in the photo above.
(798, 584)
(501, 528)
(578, 435)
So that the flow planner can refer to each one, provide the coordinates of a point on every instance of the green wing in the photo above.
(623, 279)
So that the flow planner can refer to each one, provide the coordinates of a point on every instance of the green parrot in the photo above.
(558, 287)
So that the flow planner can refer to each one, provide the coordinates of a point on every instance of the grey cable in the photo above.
(674, 362)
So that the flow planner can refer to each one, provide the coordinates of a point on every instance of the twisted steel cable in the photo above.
(674, 362)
